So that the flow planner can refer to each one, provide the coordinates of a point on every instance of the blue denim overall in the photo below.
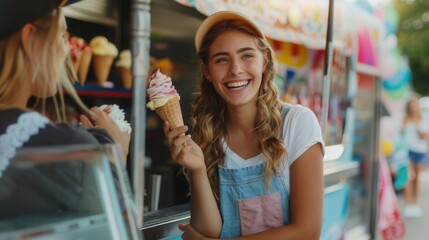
(247, 206)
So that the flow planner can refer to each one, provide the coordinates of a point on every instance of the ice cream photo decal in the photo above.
(124, 66)
(103, 54)
(164, 99)
(81, 55)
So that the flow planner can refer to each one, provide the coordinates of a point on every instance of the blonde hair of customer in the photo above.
(16, 67)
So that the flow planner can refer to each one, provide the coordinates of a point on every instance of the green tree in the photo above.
(413, 40)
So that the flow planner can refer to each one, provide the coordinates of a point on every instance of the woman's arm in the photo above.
(422, 130)
(422, 135)
(306, 202)
(205, 215)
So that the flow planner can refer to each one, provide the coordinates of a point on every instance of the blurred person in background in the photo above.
(415, 132)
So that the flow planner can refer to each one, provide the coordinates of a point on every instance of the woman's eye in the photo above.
(220, 60)
(247, 55)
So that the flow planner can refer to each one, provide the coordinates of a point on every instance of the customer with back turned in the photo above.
(33, 63)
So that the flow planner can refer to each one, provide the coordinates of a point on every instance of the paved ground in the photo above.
(418, 229)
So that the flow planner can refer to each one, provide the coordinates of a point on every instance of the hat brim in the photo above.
(15, 14)
(218, 17)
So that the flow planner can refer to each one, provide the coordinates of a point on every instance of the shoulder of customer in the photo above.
(52, 133)
(76, 134)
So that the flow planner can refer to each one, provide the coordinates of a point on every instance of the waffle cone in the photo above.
(171, 112)
(85, 60)
(76, 64)
(127, 77)
(102, 66)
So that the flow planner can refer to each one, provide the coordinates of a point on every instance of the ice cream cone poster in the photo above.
(124, 66)
(104, 52)
(81, 55)
(85, 61)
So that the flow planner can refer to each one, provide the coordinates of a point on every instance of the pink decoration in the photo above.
(366, 53)
(390, 222)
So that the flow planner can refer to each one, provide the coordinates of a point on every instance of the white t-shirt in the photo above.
(416, 144)
(301, 130)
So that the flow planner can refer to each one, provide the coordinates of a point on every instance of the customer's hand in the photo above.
(103, 121)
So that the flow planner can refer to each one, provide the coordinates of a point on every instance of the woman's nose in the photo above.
(236, 67)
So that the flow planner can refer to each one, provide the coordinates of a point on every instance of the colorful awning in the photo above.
(301, 22)
(305, 22)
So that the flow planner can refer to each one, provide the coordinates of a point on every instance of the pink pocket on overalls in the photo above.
(260, 213)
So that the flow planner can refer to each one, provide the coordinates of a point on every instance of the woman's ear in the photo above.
(205, 71)
(26, 33)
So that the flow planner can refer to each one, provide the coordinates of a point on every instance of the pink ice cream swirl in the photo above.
(160, 89)
(160, 86)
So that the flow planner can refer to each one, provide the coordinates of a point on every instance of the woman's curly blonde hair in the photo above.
(209, 112)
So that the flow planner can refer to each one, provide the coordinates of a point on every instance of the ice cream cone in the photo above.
(85, 61)
(127, 77)
(76, 64)
(124, 66)
(102, 66)
(171, 112)
(76, 44)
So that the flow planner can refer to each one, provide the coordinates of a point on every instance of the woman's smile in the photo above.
(237, 85)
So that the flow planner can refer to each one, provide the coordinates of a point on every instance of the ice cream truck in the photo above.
(147, 199)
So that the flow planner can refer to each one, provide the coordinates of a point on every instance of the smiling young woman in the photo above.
(251, 158)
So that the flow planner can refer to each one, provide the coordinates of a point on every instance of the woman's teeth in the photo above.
(237, 84)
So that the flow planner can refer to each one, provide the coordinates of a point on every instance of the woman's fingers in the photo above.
(168, 130)
(182, 155)
(173, 134)
(85, 121)
(176, 132)
(182, 227)
(101, 117)
(107, 108)
(179, 145)
(180, 141)
(166, 127)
